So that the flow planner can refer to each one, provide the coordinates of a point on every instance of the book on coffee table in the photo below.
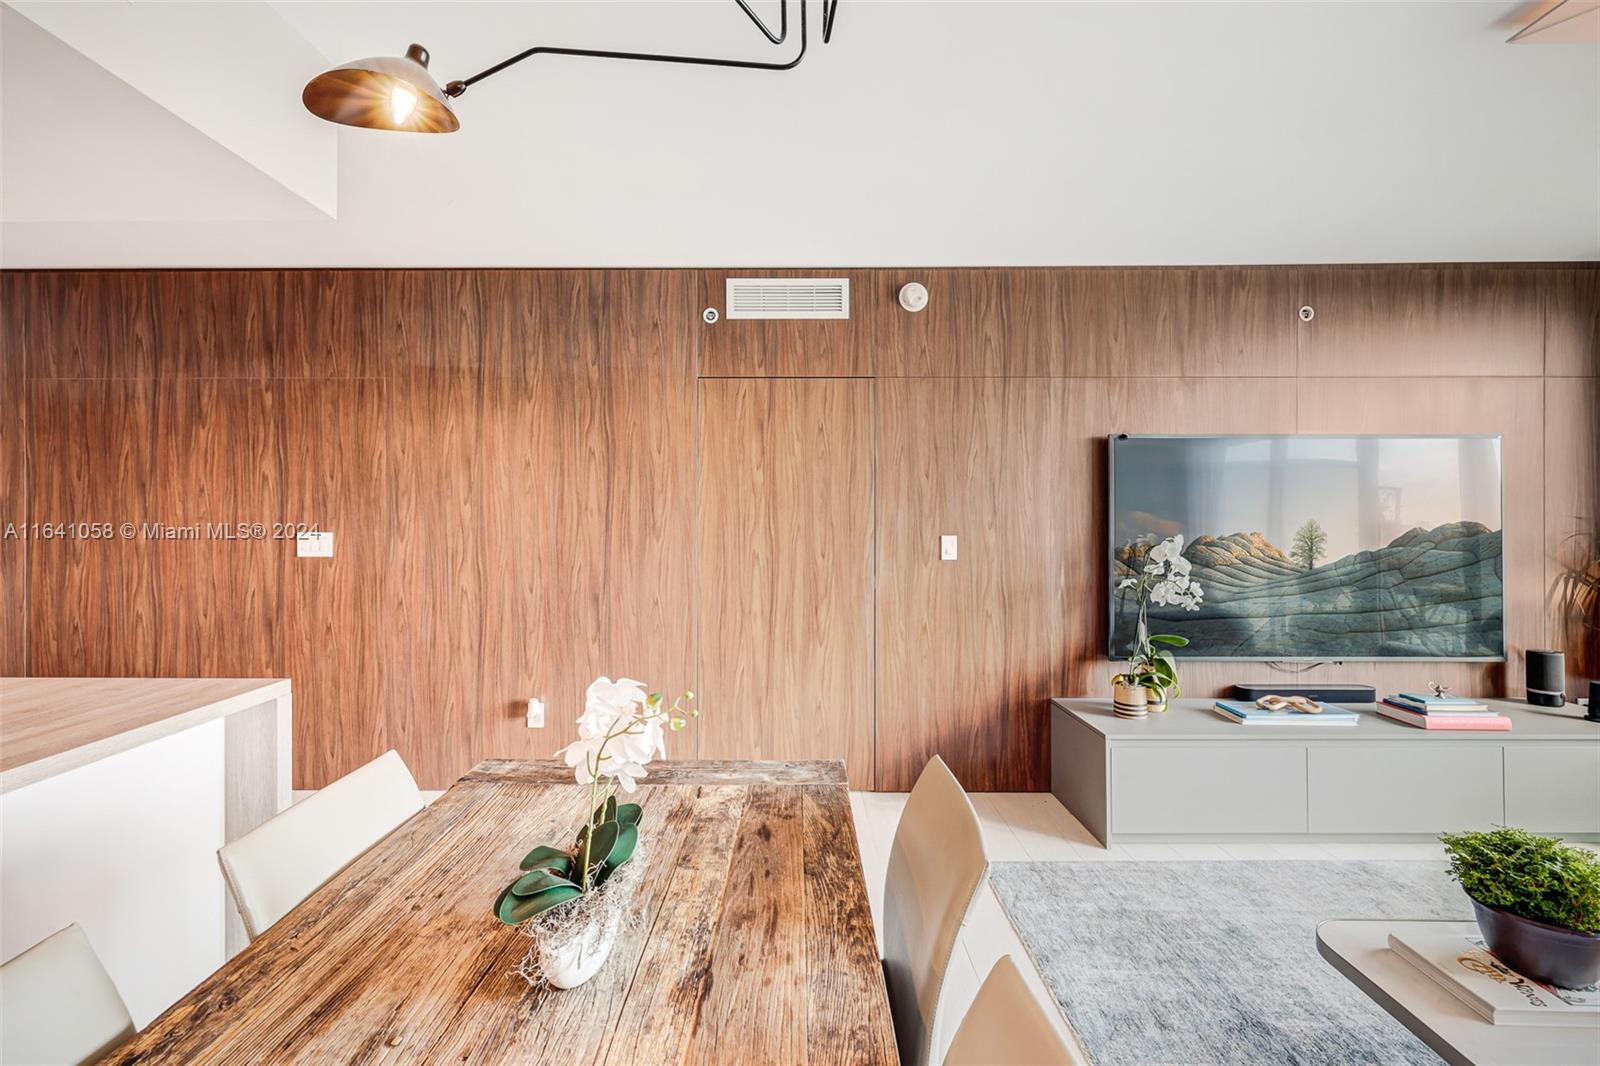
(1463, 966)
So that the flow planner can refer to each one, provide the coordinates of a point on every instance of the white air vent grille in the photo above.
(788, 298)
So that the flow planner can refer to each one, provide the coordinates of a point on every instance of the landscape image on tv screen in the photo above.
(1319, 548)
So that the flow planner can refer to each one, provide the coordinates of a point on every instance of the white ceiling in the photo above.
(102, 152)
(929, 133)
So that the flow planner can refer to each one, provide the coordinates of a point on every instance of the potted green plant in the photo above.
(1537, 901)
(1151, 677)
(572, 901)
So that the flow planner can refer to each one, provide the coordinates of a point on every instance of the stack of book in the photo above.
(1249, 714)
(1427, 711)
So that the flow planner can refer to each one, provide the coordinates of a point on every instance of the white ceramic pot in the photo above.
(1129, 701)
(580, 958)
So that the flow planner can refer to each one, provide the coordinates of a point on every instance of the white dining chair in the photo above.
(58, 1004)
(937, 866)
(275, 866)
(1007, 1026)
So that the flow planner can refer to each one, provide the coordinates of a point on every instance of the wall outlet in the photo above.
(317, 545)
(536, 713)
(947, 547)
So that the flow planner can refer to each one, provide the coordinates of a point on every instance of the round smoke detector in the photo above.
(913, 296)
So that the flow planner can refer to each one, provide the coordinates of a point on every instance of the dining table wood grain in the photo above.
(752, 938)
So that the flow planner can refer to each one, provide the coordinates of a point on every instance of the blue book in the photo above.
(1443, 710)
(1249, 713)
(1428, 699)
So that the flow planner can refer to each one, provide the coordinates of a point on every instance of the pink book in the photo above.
(1497, 723)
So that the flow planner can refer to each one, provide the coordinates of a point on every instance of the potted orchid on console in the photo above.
(572, 901)
(1151, 677)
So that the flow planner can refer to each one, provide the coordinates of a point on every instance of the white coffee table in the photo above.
(1360, 951)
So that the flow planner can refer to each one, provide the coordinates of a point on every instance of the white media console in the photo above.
(1189, 775)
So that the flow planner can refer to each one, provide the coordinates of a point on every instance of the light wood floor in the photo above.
(1024, 826)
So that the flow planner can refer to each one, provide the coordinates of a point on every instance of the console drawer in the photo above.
(1553, 788)
(1404, 788)
(1208, 788)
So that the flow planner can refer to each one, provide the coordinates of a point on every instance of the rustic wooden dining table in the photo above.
(754, 941)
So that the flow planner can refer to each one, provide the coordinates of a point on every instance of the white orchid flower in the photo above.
(642, 742)
(608, 703)
(627, 775)
(580, 755)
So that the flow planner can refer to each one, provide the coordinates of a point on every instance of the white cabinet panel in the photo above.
(1404, 788)
(1208, 788)
(1553, 788)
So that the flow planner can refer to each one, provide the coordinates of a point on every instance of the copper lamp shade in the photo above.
(383, 93)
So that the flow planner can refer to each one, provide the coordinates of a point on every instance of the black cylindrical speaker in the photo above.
(1593, 714)
(1547, 678)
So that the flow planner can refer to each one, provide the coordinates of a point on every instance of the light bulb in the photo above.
(402, 101)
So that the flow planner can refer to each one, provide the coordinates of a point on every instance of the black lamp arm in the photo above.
(456, 88)
(783, 20)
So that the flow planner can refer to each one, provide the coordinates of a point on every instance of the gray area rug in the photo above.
(1216, 962)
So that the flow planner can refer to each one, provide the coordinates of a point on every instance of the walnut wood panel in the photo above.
(437, 565)
(509, 462)
(746, 347)
(754, 944)
(219, 453)
(1411, 321)
(92, 607)
(977, 323)
(95, 324)
(335, 634)
(1089, 322)
(1572, 522)
(333, 324)
(786, 571)
(231, 326)
(1513, 407)
(15, 307)
(970, 650)
(531, 333)
(1572, 322)
(633, 485)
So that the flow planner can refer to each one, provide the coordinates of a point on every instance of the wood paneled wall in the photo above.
(537, 476)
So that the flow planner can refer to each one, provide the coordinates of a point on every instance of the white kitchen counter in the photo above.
(115, 794)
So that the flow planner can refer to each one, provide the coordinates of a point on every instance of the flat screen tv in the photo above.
(1316, 548)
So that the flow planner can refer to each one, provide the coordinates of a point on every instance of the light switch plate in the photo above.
(947, 547)
(318, 545)
(536, 713)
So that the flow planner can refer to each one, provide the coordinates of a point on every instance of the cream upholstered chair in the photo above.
(936, 868)
(1007, 1026)
(275, 866)
(58, 1005)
